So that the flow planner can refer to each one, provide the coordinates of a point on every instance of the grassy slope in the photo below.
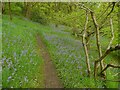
(66, 52)
(22, 64)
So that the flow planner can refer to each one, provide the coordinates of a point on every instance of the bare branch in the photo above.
(109, 65)
(82, 6)
(112, 33)
(105, 19)
(117, 47)
(104, 12)
(113, 3)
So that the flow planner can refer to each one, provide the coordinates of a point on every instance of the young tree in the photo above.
(85, 45)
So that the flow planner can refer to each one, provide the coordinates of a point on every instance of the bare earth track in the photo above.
(51, 78)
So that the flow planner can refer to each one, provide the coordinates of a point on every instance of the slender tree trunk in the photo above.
(56, 10)
(97, 41)
(25, 8)
(3, 9)
(108, 48)
(112, 34)
(10, 10)
(85, 46)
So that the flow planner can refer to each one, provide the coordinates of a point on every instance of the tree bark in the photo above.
(85, 46)
(97, 39)
(10, 10)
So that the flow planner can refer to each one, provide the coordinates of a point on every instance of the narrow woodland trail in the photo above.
(51, 78)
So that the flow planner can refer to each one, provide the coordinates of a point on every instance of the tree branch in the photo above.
(117, 47)
(105, 19)
(112, 33)
(104, 12)
(113, 3)
(109, 65)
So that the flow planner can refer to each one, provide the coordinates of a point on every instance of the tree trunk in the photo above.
(85, 46)
(25, 8)
(3, 9)
(10, 10)
(97, 41)
(108, 48)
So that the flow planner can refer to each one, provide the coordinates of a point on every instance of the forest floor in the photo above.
(51, 78)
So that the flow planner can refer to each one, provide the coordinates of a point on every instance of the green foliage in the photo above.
(112, 77)
(37, 17)
(16, 8)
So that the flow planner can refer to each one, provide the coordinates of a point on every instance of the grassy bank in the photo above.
(21, 61)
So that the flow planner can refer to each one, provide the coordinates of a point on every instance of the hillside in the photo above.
(23, 64)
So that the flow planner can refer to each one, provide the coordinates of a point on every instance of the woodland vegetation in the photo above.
(94, 25)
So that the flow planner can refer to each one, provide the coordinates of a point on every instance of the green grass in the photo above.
(22, 64)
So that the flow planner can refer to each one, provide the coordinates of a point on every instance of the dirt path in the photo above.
(51, 78)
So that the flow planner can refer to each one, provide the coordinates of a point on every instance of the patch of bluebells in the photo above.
(19, 58)
(68, 57)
